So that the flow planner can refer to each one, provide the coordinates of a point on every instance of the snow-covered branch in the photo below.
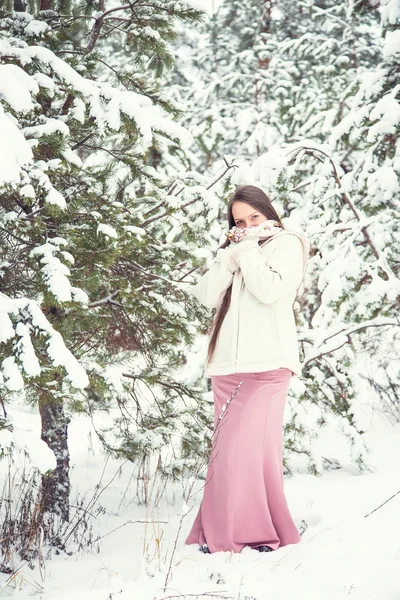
(339, 338)
(356, 212)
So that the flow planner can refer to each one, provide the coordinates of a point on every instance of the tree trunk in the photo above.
(56, 486)
(19, 6)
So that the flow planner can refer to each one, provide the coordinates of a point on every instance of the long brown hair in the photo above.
(259, 200)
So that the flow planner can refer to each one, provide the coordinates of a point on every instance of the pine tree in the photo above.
(96, 244)
(274, 72)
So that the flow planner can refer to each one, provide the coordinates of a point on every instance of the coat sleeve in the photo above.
(210, 287)
(270, 279)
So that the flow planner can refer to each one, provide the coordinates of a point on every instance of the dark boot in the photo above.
(264, 548)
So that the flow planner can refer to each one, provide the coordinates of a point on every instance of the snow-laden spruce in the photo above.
(91, 281)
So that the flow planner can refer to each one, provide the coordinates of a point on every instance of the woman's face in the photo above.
(245, 215)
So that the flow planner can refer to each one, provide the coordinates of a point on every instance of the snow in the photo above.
(36, 28)
(17, 88)
(113, 376)
(391, 46)
(38, 451)
(390, 11)
(107, 230)
(26, 351)
(78, 294)
(347, 549)
(44, 81)
(138, 231)
(14, 150)
(12, 377)
(55, 197)
(54, 271)
(23, 443)
(201, 4)
(27, 191)
(49, 127)
(59, 354)
(71, 157)
(6, 439)
(383, 183)
(6, 328)
(150, 32)
(387, 110)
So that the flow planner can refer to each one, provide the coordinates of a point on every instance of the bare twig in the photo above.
(107, 300)
(161, 215)
(383, 504)
(217, 595)
(100, 21)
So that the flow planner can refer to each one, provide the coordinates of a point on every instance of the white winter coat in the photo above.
(259, 329)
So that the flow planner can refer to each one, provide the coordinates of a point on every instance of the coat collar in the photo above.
(288, 231)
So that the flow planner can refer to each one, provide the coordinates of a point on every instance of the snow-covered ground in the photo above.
(343, 553)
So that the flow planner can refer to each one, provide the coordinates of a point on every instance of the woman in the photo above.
(252, 355)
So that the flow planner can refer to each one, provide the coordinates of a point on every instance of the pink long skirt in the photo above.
(243, 500)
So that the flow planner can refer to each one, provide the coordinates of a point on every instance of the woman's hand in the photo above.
(235, 234)
(224, 255)
(246, 242)
(245, 238)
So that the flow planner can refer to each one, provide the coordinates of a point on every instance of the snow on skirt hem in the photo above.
(243, 500)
